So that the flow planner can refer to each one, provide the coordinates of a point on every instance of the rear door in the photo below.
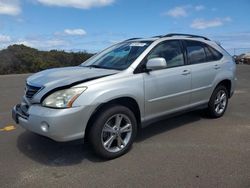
(204, 67)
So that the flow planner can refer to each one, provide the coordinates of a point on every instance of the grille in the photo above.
(24, 108)
(31, 91)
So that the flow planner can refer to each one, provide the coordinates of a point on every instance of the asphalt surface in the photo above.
(190, 150)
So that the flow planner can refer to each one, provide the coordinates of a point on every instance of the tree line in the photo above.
(18, 59)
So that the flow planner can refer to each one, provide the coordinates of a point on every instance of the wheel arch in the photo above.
(128, 102)
(227, 83)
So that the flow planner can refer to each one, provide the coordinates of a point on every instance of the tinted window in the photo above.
(196, 52)
(212, 54)
(171, 51)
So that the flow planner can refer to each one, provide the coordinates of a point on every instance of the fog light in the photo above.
(44, 127)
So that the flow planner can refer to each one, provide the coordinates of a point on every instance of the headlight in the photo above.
(63, 98)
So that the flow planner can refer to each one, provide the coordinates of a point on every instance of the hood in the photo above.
(58, 77)
(53, 79)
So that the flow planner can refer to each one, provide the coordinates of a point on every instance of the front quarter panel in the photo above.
(128, 85)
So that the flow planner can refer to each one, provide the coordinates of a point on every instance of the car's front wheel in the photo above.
(113, 132)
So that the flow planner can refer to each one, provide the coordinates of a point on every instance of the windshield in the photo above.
(119, 56)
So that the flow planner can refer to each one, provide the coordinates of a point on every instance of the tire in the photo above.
(108, 135)
(218, 102)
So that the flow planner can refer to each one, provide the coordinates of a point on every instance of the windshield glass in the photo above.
(119, 56)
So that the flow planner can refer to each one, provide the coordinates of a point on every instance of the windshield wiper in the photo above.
(100, 67)
(95, 66)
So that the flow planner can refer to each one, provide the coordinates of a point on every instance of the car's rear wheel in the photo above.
(113, 132)
(218, 102)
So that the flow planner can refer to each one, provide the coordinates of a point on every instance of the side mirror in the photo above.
(156, 64)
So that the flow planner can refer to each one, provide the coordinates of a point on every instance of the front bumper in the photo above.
(57, 124)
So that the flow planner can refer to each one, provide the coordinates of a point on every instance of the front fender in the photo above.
(103, 92)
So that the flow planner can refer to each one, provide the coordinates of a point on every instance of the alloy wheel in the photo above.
(116, 133)
(220, 102)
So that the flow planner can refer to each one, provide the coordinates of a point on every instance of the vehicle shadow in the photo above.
(51, 153)
(48, 152)
(169, 124)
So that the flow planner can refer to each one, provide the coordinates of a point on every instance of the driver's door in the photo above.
(167, 90)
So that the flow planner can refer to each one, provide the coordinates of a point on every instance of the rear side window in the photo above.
(195, 52)
(199, 52)
(212, 54)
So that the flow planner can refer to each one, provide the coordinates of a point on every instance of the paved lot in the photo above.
(186, 151)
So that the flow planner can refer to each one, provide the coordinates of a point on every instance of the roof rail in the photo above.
(187, 35)
(157, 36)
(131, 39)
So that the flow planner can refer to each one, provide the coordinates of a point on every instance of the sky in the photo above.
(91, 25)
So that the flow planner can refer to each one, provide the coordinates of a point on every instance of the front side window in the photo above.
(169, 50)
(195, 52)
(119, 56)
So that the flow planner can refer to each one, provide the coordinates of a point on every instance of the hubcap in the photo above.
(116, 133)
(220, 102)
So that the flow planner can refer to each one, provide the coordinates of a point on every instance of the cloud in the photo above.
(227, 19)
(61, 41)
(43, 43)
(199, 7)
(4, 38)
(204, 24)
(176, 12)
(81, 4)
(10, 7)
(214, 9)
(183, 11)
(13, 8)
(75, 32)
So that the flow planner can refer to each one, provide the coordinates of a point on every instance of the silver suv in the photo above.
(127, 86)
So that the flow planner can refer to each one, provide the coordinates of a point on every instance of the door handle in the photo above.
(185, 72)
(216, 66)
